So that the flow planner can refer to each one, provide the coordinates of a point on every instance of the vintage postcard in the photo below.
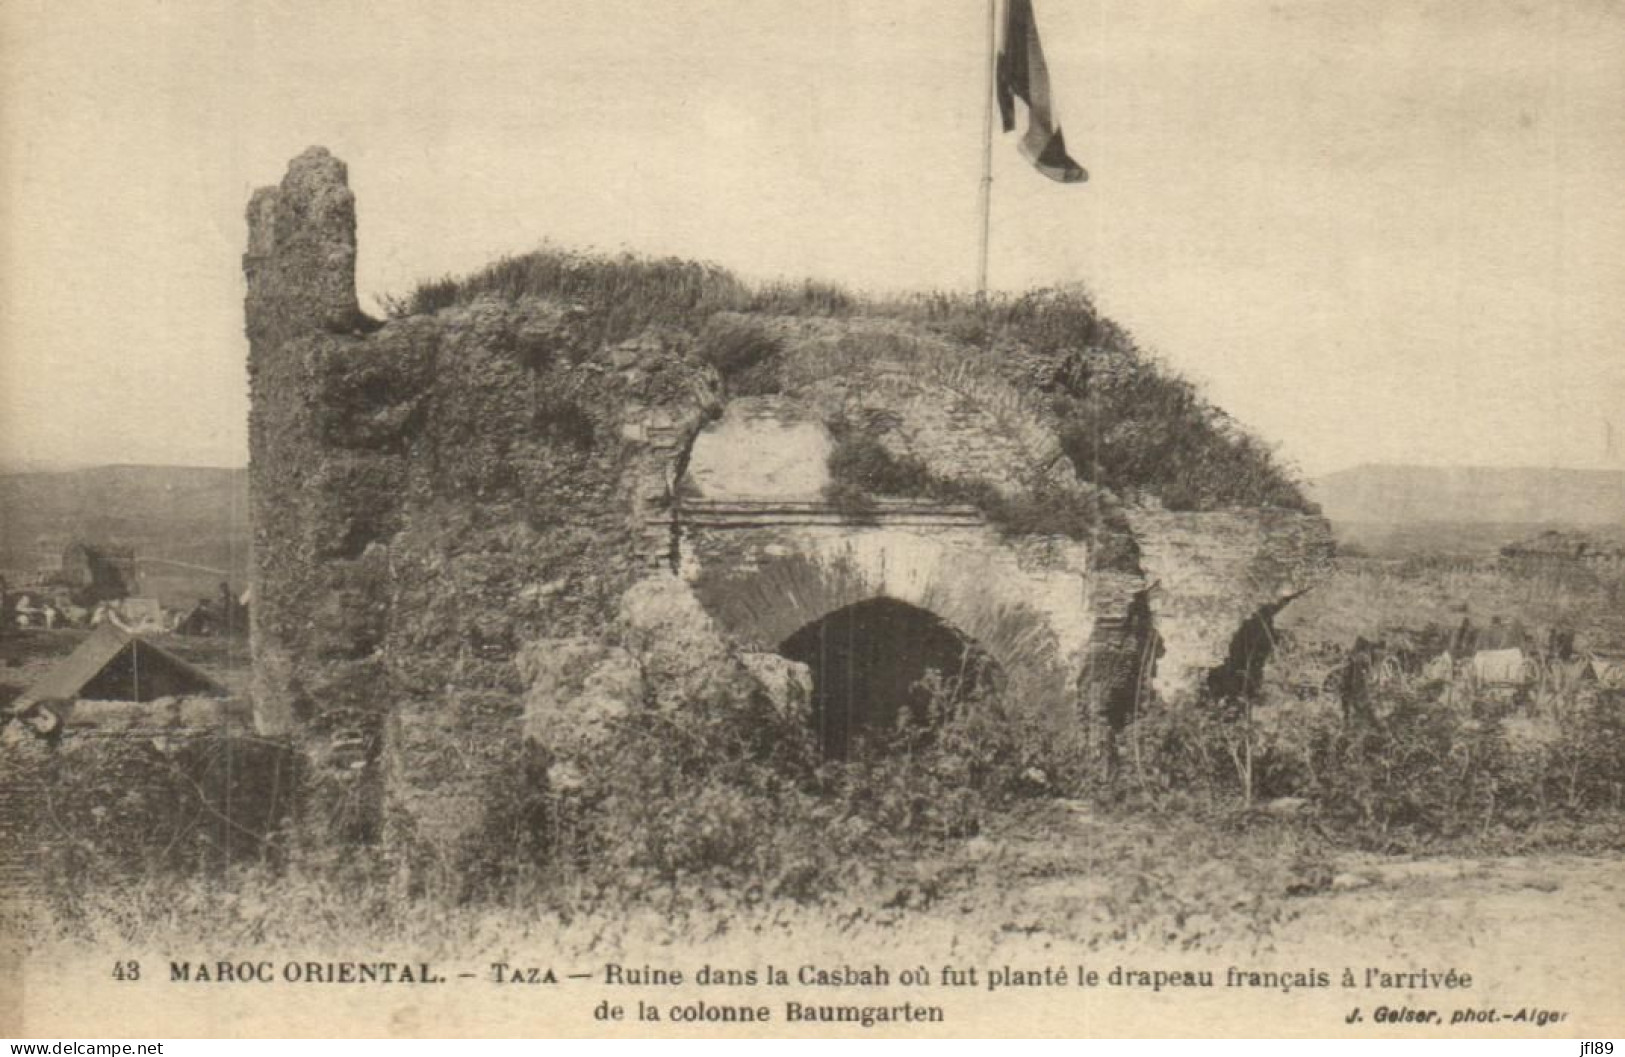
(812, 518)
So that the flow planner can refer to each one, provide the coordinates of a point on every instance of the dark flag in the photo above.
(1023, 75)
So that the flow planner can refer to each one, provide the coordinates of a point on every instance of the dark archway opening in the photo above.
(1122, 663)
(883, 669)
(1241, 677)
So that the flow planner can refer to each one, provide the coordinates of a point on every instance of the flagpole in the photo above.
(987, 149)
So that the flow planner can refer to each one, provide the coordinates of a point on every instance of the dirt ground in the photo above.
(1489, 947)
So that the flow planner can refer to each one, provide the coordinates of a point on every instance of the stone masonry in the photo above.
(478, 526)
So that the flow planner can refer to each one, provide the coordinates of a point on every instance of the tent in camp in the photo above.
(114, 665)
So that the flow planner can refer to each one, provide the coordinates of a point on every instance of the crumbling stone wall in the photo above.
(429, 496)
(482, 524)
(1210, 574)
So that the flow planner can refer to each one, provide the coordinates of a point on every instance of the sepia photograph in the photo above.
(812, 519)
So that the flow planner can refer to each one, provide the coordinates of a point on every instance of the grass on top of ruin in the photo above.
(1128, 422)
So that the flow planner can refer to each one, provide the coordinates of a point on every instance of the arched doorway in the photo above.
(870, 663)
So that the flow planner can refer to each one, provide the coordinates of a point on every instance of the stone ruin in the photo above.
(478, 527)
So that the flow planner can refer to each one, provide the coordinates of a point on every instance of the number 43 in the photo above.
(126, 971)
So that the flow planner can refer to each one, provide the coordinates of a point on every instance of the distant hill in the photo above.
(195, 517)
(1408, 495)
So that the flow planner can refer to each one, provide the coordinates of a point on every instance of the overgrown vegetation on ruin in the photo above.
(1128, 422)
(722, 815)
(1415, 777)
(736, 797)
(730, 795)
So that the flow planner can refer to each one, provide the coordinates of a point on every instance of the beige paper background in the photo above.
(1377, 230)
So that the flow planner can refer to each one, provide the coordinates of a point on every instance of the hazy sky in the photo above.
(1376, 230)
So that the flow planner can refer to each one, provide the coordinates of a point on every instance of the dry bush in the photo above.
(1416, 776)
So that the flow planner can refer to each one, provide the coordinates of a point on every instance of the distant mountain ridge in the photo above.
(181, 513)
(1472, 495)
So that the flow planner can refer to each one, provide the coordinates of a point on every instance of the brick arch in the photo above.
(763, 602)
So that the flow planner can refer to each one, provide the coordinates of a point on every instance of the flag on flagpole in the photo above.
(1023, 74)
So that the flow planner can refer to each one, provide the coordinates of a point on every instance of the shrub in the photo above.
(1585, 765)
(861, 461)
(730, 792)
(806, 298)
(862, 467)
(1080, 514)
(851, 501)
(113, 808)
(716, 790)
